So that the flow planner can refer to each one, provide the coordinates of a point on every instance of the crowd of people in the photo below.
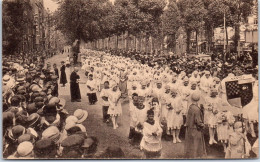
(165, 94)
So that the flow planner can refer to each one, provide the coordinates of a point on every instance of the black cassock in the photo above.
(74, 86)
(63, 78)
(56, 72)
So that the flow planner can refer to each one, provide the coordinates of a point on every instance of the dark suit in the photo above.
(74, 86)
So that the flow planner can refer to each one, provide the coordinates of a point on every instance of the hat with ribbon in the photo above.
(81, 115)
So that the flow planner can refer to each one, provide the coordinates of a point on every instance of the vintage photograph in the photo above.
(130, 79)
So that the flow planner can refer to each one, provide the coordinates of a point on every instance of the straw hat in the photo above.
(24, 149)
(81, 115)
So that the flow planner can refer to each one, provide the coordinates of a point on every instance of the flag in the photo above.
(239, 91)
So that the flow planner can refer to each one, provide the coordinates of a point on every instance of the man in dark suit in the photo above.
(74, 86)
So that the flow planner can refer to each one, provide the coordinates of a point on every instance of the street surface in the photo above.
(105, 133)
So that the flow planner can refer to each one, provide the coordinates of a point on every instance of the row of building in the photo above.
(39, 33)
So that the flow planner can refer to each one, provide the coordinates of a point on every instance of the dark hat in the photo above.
(43, 94)
(17, 131)
(15, 99)
(73, 140)
(73, 130)
(39, 105)
(34, 95)
(45, 148)
(8, 118)
(21, 117)
(31, 108)
(50, 109)
(22, 97)
(38, 99)
(26, 137)
(21, 92)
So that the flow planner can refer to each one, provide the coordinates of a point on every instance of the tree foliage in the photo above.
(14, 25)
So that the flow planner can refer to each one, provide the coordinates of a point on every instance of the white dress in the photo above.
(211, 105)
(174, 116)
(114, 109)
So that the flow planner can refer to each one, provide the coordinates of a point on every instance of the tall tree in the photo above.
(214, 17)
(171, 22)
(14, 25)
(192, 14)
(240, 10)
(79, 19)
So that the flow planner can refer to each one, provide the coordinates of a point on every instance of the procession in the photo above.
(163, 105)
(119, 97)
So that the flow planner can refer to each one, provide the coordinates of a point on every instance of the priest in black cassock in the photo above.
(74, 86)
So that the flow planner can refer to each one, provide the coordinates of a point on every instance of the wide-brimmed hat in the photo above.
(33, 118)
(52, 133)
(81, 115)
(24, 149)
(6, 78)
(69, 125)
(71, 119)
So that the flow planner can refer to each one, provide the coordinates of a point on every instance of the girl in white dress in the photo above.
(115, 109)
(210, 114)
(175, 117)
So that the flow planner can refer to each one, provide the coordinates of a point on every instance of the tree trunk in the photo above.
(140, 43)
(146, 43)
(209, 38)
(135, 43)
(174, 42)
(197, 46)
(127, 41)
(227, 40)
(116, 37)
(162, 43)
(236, 36)
(188, 33)
(152, 45)
(108, 42)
